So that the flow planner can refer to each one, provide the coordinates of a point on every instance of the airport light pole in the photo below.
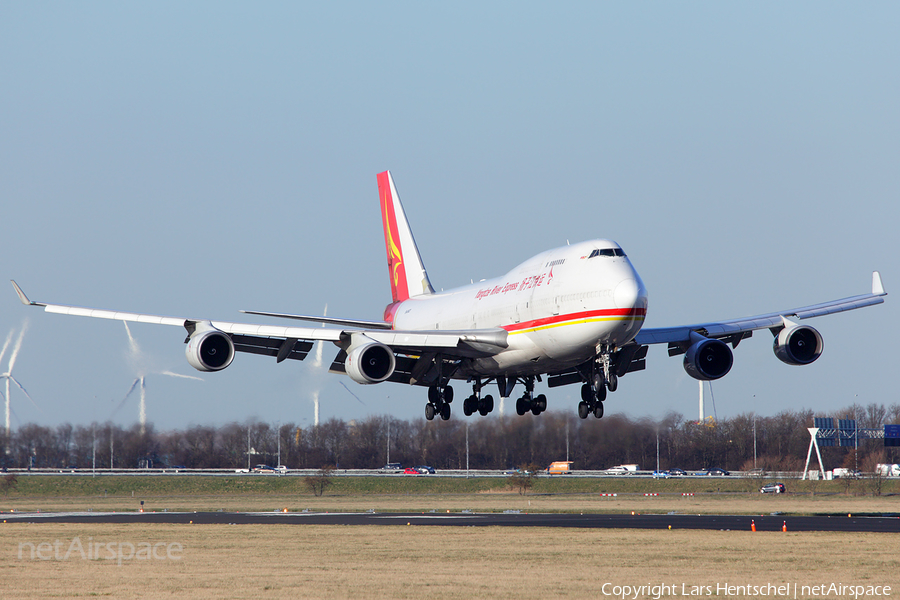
(657, 450)
(754, 433)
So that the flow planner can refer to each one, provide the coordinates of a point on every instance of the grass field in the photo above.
(271, 561)
(397, 493)
(307, 561)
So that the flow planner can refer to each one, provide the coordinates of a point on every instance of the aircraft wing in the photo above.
(270, 339)
(736, 329)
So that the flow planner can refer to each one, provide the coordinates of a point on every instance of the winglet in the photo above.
(22, 297)
(877, 286)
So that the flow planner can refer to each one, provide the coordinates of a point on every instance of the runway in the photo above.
(834, 523)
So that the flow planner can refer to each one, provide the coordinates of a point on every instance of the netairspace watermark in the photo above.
(780, 590)
(118, 551)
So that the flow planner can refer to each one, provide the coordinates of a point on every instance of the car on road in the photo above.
(715, 472)
(772, 488)
(516, 472)
(425, 470)
(411, 471)
(846, 473)
(676, 472)
(660, 474)
(281, 469)
(621, 470)
(263, 469)
(392, 468)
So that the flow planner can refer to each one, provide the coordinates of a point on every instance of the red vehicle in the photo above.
(410, 471)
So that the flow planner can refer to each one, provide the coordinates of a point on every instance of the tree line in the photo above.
(743, 442)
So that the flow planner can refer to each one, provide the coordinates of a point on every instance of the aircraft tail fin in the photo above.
(408, 276)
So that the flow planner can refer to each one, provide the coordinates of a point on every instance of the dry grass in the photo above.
(309, 561)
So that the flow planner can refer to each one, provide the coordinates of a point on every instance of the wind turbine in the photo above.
(316, 368)
(8, 375)
(140, 364)
(703, 402)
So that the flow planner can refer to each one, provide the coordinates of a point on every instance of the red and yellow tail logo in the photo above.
(396, 268)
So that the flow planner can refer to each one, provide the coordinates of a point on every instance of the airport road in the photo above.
(835, 523)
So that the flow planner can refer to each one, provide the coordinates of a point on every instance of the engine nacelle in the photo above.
(799, 345)
(369, 361)
(209, 350)
(707, 359)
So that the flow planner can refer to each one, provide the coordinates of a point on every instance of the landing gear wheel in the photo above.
(541, 401)
(429, 411)
(613, 382)
(587, 393)
(445, 411)
(584, 410)
(523, 405)
(470, 405)
(601, 394)
(434, 394)
(597, 381)
(598, 410)
(448, 394)
(486, 405)
(535, 408)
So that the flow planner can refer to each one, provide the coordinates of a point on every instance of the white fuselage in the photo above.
(558, 308)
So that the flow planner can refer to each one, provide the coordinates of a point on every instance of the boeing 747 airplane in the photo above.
(572, 314)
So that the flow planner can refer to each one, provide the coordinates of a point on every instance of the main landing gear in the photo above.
(477, 403)
(528, 401)
(439, 399)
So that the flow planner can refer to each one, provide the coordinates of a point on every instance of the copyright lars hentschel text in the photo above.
(780, 590)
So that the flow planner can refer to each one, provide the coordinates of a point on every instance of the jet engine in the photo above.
(707, 359)
(798, 345)
(209, 350)
(369, 361)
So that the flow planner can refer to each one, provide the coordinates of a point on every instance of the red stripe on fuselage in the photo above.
(588, 314)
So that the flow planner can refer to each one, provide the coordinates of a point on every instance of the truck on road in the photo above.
(887, 470)
(560, 467)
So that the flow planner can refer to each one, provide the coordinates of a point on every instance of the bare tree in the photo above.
(320, 481)
(874, 476)
(522, 479)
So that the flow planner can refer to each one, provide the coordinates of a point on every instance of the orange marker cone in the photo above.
(784, 525)
(752, 525)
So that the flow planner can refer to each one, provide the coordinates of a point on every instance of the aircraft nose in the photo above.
(630, 293)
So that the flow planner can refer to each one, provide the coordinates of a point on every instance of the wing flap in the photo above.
(271, 347)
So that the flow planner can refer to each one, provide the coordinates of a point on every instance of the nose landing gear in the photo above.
(602, 379)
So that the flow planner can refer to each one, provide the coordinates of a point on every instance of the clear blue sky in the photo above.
(194, 159)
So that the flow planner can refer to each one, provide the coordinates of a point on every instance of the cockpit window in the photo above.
(607, 252)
